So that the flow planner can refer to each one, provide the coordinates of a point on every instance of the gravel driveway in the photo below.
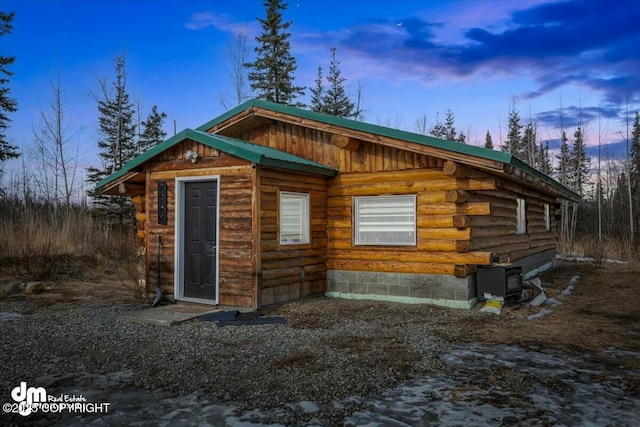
(335, 362)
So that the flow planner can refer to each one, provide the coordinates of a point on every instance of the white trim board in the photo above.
(178, 277)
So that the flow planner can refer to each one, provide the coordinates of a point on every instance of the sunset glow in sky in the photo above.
(412, 58)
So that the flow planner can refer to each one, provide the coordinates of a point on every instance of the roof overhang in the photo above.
(256, 113)
(130, 181)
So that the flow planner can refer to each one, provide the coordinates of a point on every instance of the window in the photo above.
(521, 215)
(294, 218)
(385, 220)
(547, 217)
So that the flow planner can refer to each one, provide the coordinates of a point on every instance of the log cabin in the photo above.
(269, 203)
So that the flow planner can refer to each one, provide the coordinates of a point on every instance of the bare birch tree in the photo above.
(56, 178)
(237, 55)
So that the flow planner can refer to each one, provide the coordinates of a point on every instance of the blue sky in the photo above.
(412, 58)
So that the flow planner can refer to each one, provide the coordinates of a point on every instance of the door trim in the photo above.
(178, 280)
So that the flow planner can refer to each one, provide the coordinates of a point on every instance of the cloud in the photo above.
(585, 43)
(219, 21)
(572, 117)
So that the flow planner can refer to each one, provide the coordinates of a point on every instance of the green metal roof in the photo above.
(259, 154)
(455, 147)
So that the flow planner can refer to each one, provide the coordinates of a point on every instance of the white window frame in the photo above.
(303, 222)
(521, 216)
(547, 217)
(410, 226)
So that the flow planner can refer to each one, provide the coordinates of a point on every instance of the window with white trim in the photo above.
(294, 218)
(521, 215)
(385, 220)
(547, 217)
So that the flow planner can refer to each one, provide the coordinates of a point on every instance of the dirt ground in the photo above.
(599, 320)
(602, 312)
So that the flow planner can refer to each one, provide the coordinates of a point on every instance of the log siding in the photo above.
(236, 259)
(289, 272)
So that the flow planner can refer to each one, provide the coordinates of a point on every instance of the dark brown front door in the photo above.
(200, 239)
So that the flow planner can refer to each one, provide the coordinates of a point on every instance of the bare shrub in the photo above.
(42, 242)
(128, 261)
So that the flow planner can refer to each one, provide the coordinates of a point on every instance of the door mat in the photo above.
(235, 318)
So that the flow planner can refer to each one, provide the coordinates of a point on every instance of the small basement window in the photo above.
(521, 215)
(385, 220)
(547, 217)
(294, 218)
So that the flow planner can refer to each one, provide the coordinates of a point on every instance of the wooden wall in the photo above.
(442, 222)
(497, 232)
(288, 272)
(323, 148)
(236, 244)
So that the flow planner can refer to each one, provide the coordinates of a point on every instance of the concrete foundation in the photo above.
(438, 289)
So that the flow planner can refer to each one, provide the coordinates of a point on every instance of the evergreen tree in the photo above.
(447, 130)
(317, 94)
(579, 163)
(513, 143)
(117, 142)
(438, 130)
(7, 104)
(543, 161)
(153, 134)
(488, 142)
(562, 171)
(449, 126)
(336, 101)
(271, 74)
(529, 145)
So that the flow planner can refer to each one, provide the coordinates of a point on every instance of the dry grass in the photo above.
(610, 248)
(43, 244)
(602, 313)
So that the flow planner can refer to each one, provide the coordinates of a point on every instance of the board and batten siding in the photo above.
(236, 244)
(288, 272)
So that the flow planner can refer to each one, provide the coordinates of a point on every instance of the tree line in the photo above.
(611, 193)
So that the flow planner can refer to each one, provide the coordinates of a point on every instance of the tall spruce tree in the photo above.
(336, 101)
(529, 145)
(152, 133)
(7, 103)
(488, 141)
(438, 130)
(562, 170)
(272, 73)
(447, 130)
(543, 161)
(317, 93)
(449, 125)
(579, 163)
(117, 143)
(513, 143)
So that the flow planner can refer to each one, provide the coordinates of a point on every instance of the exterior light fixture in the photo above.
(191, 154)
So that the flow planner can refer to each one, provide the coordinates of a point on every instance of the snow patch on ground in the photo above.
(9, 315)
(561, 391)
(578, 258)
(539, 315)
(491, 385)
